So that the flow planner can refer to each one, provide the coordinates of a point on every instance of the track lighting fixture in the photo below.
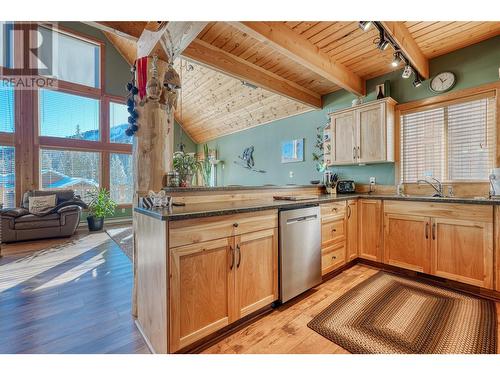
(396, 59)
(383, 43)
(365, 25)
(417, 81)
(407, 72)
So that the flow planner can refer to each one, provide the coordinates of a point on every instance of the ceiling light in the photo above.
(396, 60)
(248, 84)
(365, 25)
(417, 81)
(407, 72)
(382, 43)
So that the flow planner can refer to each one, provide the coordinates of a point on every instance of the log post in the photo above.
(152, 155)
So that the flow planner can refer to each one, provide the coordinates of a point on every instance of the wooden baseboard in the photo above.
(221, 334)
(145, 338)
(435, 280)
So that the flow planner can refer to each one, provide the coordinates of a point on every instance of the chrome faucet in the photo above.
(437, 186)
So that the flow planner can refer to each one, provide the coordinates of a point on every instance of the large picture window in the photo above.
(121, 179)
(64, 169)
(76, 61)
(118, 123)
(68, 116)
(453, 142)
(6, 108)
(7, 176)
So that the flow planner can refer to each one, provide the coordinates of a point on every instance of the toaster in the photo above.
(346, 186)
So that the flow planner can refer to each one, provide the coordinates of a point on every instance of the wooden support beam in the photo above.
(298, 48)
(130, 30)
(218, 59)
(173, 36)
(400, 34)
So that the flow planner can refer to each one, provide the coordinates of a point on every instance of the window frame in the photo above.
(454, 97)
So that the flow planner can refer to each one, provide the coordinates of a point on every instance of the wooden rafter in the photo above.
(173, 37)
(295, 46)
(131, 30)
(408, 45)
(220, 60)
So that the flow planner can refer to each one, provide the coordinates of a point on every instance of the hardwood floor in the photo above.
(75, 297)
(72, 297)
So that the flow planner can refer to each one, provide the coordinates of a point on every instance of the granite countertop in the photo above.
(197, 210)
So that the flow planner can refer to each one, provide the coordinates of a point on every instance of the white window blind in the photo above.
(454, 142)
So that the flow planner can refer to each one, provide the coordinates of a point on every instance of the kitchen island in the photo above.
(205, 268)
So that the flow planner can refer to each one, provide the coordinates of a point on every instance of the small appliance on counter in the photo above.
(346, 187)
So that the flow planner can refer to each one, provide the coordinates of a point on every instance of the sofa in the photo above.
(18, 224)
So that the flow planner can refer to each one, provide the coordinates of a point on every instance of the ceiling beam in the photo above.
(401, 35)
(131, 30)
(225, 62)
(298, 48)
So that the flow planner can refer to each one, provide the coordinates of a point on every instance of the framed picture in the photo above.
(292, 151)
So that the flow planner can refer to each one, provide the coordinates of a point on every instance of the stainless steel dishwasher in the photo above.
(299, 251)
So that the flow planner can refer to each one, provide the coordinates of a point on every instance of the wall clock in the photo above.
(443, 82)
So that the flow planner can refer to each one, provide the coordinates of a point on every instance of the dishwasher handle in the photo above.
(301, 219)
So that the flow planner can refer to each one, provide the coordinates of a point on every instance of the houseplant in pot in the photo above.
(100, 207)
(186, 165)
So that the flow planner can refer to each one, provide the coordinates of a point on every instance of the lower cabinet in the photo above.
(333, 236)
(352, 230)
(450, 241)
(214, 283)
(256, 271)
(463, 251)
(370, 229)
(407, 241)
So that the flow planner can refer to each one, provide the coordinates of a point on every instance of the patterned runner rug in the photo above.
(124, 237)
(390, 314)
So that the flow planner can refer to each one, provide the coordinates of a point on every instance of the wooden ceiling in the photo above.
(292, 63)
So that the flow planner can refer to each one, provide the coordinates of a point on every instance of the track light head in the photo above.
(417, 81)
(382, 43)
(365, 25)
(407, 72)
(396, 59)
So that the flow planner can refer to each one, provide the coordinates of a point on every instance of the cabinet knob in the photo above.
(235, 225)
(334, 230)
(334, 257)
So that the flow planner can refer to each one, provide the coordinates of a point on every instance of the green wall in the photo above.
(473, 66)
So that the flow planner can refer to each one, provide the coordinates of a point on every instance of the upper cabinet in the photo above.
(362, 134)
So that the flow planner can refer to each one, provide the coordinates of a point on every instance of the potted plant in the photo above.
(100, 206)
(206, 165)
(186, 165)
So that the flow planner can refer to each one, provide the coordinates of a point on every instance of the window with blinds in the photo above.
(453, 142)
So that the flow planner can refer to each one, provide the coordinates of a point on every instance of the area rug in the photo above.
(124, 237)
(387, 314)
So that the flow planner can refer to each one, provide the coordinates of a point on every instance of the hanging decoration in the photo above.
(171, 83)
(142, 76)
(132, 92)
(154, 87)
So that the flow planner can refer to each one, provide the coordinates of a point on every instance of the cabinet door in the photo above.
(256, 271)
(201, 290)
(332, 257)
(352, 230)
(407, 241)
(370, 132)
(370, 226)
(344, 138)
(463, 251)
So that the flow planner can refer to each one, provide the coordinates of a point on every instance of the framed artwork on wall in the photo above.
(292, 151)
